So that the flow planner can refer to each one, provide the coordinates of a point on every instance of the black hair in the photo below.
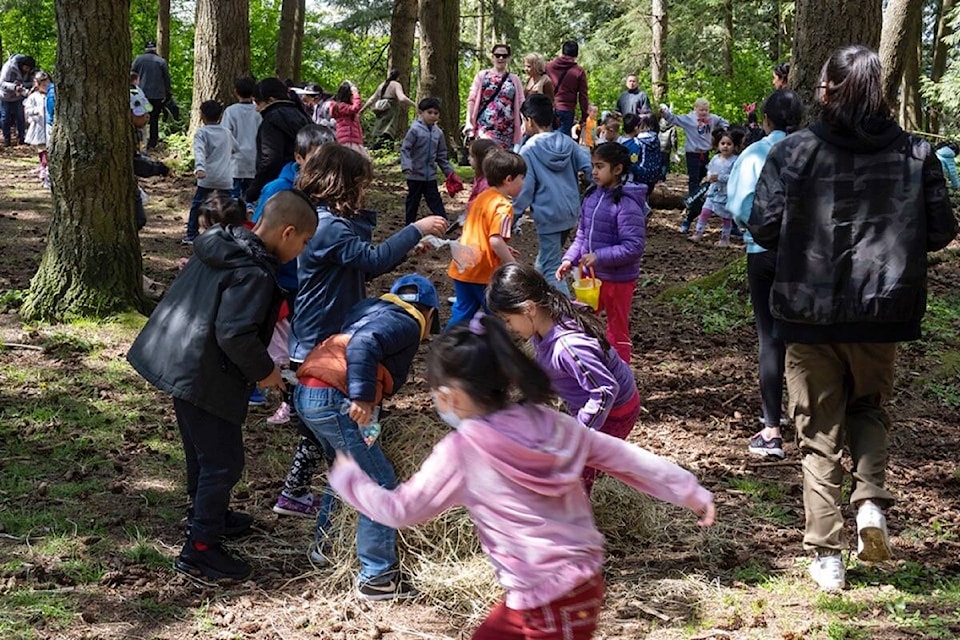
(500, 164)
(737, 135)
(851, 78)
(570, 48)
(784, 109)
(479, 149)
(539, 108)
(211, 110)
(630, 122)
(309, 137)
(245, 87)
(515, 283)
(27, 61)
(223, 210)
(271, 89)
(752, 118)
(719, 134)
(614, 154)
(501, 46)
(782, 71)
(485, 363)
(392, 75)
(646, 121)
(337, 177)
(289, 207)
(948, 144)
(344, 93)
(429, 103)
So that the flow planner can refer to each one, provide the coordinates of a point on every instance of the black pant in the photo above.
(696, 172)
(213, 449)
(154, 135)
(428, 190)
(761, 268)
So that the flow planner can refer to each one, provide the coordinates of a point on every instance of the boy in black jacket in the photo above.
(206, 345)
(354, 369)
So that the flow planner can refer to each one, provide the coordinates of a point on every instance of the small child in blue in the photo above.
(641, 140)
(424, 148)
(718, 172)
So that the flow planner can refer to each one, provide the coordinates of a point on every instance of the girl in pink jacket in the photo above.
(345, 110)
(516, 468)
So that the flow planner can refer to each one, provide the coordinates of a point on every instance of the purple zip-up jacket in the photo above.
(589, 381)
(616, 233)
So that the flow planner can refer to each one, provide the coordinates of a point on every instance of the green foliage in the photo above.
(719, 302)
(12, 299)
(945, 94)
(29, 27)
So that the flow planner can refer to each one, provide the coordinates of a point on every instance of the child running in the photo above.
(569, 343)
(610, 239)
(516, 467)
(718, 173)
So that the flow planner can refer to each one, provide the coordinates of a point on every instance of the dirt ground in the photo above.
(700, 406)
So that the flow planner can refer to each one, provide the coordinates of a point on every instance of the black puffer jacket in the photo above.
(276, 142)
(852, 219)
(206, 342)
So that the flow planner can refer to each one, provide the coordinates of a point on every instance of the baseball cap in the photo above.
(150, 46)
(426, 294)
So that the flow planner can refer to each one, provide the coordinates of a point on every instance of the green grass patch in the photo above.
(26, 608)
(718, 302)
(840, 604)
(12, 299)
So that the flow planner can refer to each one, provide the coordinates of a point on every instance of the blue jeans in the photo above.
(471, 297)
(12, 113)
(549, 258)
(319, 409)
(240, 186)
(566, 121)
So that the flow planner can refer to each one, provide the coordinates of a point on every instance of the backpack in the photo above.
(646, 167)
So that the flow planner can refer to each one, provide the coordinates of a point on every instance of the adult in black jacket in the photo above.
(853, 205)
(206, 345)
(277, 136)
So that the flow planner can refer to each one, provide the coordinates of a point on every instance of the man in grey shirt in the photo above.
(155, 82)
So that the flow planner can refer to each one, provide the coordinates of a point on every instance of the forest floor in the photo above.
(92, 497)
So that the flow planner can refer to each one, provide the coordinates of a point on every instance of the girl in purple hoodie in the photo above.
(611, 236)
(597, 386)
(515, 465)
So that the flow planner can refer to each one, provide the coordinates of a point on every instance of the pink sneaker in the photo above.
(305, 507)
(281, 416)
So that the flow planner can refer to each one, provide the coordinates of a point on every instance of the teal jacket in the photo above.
(743, 182)
(948, 160)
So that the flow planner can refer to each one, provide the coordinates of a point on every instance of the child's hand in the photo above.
(360, 411)
(200, 173)
(273, 381)
(708, 515)
(564, 269)
(432, 226)
(588, 260)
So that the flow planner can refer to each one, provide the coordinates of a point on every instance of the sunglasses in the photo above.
(501, 56)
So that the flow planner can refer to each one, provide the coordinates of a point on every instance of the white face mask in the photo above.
(451, 418)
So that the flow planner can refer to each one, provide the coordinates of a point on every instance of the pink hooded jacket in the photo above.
(517, 472)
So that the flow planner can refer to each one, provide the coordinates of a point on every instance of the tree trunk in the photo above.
(221, 51)
(163, 29)
(658, 51)
(291, 18)
(898, 41)
(911, 109)
(823, 26)
(940, 54)
(298, 39)
(403, 25)
(776, 26)
(481, 26)
(439, 62)
(728, 38)
(91, 264)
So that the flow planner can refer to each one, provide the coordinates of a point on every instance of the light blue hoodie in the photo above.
(742, 183)
(551, 186)
(948, 160)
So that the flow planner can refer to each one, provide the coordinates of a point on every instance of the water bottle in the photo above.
(369, 432)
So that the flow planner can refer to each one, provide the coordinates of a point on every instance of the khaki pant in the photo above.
(836, 395)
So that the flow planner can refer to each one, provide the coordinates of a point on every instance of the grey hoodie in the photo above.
(423, 149)
(551, 186)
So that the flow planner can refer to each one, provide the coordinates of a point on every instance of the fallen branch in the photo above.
(17, 345)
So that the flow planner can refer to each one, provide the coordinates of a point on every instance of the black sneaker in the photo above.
(392, 585)
(772, 447)
(236, 525)
(216, 563)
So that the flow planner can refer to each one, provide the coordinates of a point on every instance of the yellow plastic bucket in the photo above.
(587, 290)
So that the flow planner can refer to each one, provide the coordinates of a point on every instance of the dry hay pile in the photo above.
(443, 556)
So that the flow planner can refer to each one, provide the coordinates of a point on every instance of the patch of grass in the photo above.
(839, 604)
(756, 488)
(719, 302)
(12, 299)
(28, 608)
(65, 345)
(142, 552)
(842, 631)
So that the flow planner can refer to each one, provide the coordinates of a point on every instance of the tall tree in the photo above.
(911, 104)
(939, 64)
(439, 61)
(163, 28)
(221, 51)
(898, 41)
(288, 37)
(91, 265)
(822, 26)
(403, 24)
(658, 51)
(727, 38)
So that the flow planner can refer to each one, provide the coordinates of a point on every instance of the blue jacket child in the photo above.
(342, 383)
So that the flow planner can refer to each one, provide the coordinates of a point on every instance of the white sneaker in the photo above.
(828, 572)
(873, 543)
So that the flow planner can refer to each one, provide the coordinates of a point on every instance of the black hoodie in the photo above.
(206, 342)
(276, 142)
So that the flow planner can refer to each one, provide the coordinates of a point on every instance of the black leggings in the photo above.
(761, 268)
